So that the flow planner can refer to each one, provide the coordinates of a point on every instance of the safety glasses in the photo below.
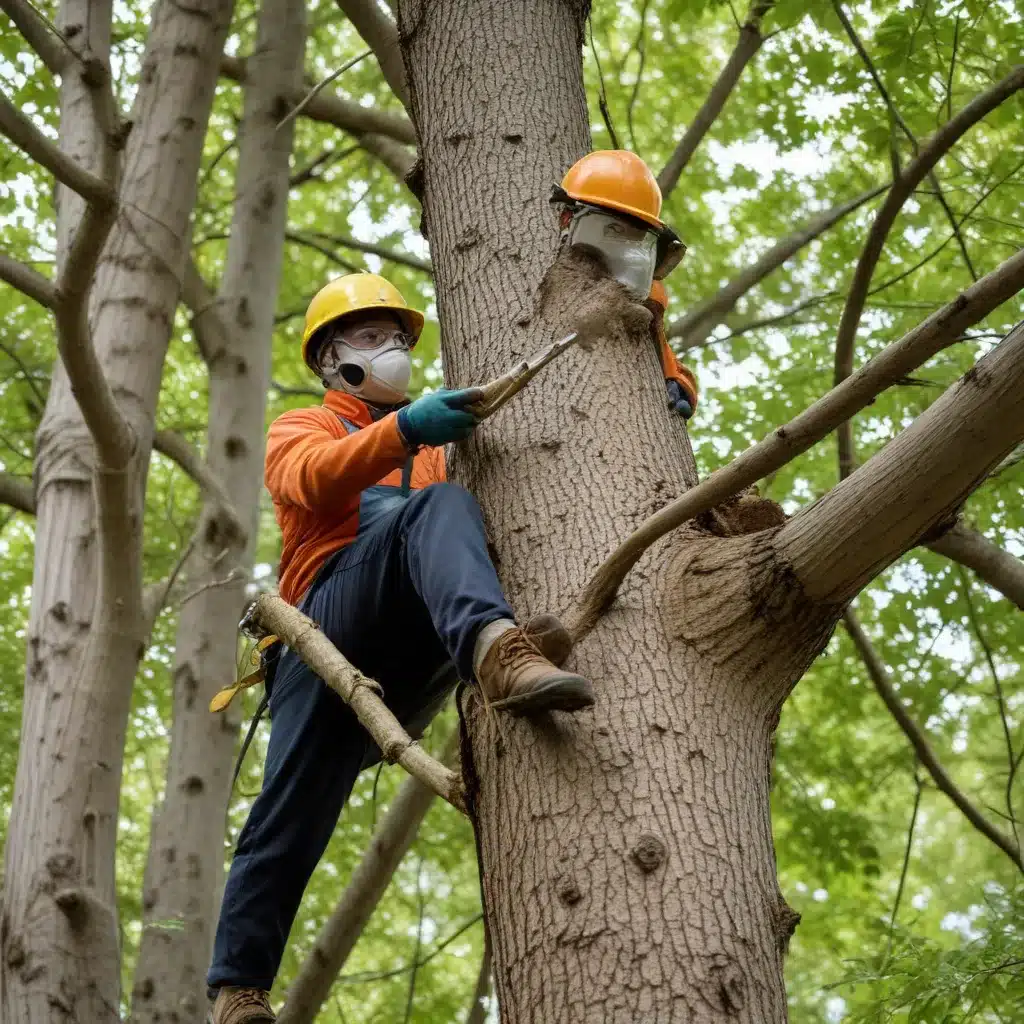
(367, 338)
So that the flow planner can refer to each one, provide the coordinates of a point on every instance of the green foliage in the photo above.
(806, 129)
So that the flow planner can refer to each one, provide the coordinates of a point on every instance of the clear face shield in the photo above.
(628, 248)
(371, 363)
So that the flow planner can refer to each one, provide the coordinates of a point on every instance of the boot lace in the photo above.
(515, 650)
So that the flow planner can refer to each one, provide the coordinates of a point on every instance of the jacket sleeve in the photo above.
(308, 466)
(674, 370)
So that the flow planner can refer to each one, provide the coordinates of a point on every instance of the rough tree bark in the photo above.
(186, 856)
(626, 853)
(59, 934)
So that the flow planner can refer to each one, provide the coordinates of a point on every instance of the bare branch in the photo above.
(178, 450)
(303, 636)
(993, 566)
(114, 437)
(933, 151)
(28, 281)
(324, 250)
(26, 136)
(377, 250)
(313, 171)
(40, 34)
(914, 484)
(942, 328)
(17, 492)
(330, 108)
(708, 314)
(319, 88)
(747, 45)
(905, 128)
(883, 684)
(381, 35)
(388, 845)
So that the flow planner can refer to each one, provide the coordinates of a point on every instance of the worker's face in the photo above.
(627, 248)
(368, 356)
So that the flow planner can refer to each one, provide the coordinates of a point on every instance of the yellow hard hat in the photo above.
(355, 293)
(616, 180)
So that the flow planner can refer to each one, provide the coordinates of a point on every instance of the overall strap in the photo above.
(406, 469)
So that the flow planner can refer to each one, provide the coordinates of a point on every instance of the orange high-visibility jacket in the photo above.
(316, 472)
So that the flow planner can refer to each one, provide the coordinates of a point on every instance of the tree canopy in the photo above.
(908, 913)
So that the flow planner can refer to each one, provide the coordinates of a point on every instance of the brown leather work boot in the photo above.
(515, 677)
(241, 1006)
(550, 637)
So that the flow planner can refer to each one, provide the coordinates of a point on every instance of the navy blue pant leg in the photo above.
(407, 597)
(315, 752)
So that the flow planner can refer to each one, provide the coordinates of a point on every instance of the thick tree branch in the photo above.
(28, 281)
(697, 323)
(26, 136)
(883, 684)
(914, 484)
(747, 45)
(361, 694)
(388, 845)
(930, 154)
(330, 108)
(43, 37)
(942, 328)
(994, 566)
(381, 35)
(18, 493)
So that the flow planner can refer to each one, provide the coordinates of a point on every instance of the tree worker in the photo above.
(609, 204)
(392, 563)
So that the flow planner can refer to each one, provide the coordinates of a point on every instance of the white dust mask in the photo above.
(379, 375)
(629, 250)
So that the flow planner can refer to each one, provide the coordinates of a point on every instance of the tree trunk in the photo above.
(59, 934)
(186, 857)
(627, 862)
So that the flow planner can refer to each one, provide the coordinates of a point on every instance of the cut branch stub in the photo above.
(361, 694)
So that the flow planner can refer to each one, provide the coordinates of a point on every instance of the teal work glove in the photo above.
(439, 418)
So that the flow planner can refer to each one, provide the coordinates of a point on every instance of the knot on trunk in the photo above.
(649, 852)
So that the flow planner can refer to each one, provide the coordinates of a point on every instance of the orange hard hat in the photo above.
(616, 180)
(659, 294)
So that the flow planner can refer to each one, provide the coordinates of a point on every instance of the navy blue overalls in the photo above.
(403, 603)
